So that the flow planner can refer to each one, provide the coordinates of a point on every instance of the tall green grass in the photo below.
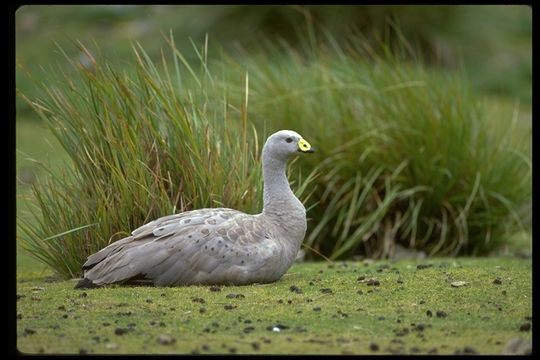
(405, 154)
(139, 150)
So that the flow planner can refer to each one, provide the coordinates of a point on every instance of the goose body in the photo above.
(214, 245)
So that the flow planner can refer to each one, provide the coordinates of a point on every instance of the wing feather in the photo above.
(197, 247)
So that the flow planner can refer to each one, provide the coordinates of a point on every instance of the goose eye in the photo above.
(289, 139)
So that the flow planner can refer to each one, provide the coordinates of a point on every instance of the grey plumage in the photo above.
(218, 245)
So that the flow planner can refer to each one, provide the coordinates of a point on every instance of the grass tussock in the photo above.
(405, 156)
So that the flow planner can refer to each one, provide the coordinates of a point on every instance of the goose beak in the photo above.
(304, 146)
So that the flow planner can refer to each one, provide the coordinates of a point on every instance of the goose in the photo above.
(214, 246)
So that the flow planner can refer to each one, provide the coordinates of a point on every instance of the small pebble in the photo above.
(164, 339)
(111, 346)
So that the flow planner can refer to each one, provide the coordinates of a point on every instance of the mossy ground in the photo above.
(351, 318)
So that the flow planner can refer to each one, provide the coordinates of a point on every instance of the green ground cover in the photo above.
(316, 308)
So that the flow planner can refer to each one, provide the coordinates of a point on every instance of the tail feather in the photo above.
(85, 283)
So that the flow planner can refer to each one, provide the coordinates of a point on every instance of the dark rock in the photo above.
(401, 332)
(249, 329)
(326, 291)
(429, 313)
(120, 331)
(317, 308)
(295, 289)
(235, 296)
(467, 350)
(215, 288)
(525, 327)
(441, 314)
(497, 281)
(373, 347)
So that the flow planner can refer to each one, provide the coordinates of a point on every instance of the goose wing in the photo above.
(200, 246)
